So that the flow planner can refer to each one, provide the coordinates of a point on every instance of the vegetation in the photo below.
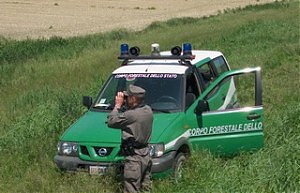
(42, 83)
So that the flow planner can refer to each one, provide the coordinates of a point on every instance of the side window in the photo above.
(233, 92)
(219, 65)
(217, 96)
(192, 90)
(207, 74)
(245, 89)
(212, 70)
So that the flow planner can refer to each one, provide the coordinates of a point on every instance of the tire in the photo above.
(177, 167)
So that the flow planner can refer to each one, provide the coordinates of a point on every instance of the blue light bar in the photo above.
(124, 49)
(187, 48)
(133, 54)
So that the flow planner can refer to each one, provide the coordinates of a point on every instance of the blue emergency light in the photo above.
(124, 49)
(187, 49)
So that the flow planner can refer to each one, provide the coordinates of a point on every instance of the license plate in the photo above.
(98, 170)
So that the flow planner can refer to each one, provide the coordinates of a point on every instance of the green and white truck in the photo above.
(199, 103)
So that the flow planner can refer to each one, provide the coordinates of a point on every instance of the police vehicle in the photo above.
(199, 103)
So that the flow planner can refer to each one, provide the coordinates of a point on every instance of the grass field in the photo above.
(42, 83)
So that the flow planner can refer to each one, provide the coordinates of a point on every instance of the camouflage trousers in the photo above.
(137, 174)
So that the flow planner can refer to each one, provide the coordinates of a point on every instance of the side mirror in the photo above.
(201, 107)
(87, 101)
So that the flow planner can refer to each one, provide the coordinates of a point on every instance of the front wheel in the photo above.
(178, 164)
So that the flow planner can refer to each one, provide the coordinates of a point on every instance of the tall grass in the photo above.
(42, 83)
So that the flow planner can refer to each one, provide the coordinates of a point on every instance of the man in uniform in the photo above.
(136, 125)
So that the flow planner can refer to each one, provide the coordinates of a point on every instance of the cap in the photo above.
(134, 90)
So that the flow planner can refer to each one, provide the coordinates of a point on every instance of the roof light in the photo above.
(155, 49)
(124, 49)
(187, 49)
(176, 51)
(135, 51)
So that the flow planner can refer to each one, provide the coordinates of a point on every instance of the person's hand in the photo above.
(119, 100)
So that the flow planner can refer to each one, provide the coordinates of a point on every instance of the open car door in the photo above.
(231, 122)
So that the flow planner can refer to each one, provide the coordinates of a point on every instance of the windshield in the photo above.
(162, 90)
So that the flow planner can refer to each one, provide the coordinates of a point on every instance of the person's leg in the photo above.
(132, 176)
(146, 183)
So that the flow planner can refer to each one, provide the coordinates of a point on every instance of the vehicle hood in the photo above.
(92, 128)
(161, 123)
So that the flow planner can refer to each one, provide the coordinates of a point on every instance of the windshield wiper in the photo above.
(161, 110)
(103, 106)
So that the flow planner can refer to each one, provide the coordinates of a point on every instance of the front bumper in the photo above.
(68, 163)
(163, 163)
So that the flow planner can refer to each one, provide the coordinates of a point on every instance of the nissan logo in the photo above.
(102, 151)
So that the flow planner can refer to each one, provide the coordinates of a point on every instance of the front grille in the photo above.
(84, 150)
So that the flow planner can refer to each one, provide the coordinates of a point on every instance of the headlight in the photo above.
(67, 148)
(156, 150)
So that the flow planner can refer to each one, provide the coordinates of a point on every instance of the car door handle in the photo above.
(253, 116)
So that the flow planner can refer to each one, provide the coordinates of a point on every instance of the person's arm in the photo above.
(116, 119)
(119, 100)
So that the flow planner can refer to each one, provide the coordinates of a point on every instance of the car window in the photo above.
(163, 91)
(207, 74)
(192, 89)
(219, 65)
(233, 92)
(212, 69)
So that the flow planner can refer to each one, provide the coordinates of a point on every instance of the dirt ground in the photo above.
(20, 19)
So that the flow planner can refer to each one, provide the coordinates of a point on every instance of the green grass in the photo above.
(42, 83)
